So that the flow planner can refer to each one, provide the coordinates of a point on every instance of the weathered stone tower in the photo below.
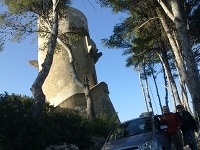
(59, 87)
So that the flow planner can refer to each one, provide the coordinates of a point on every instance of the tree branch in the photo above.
(166, 10)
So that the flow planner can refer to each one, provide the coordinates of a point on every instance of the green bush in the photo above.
(103, 124)
(19, 130)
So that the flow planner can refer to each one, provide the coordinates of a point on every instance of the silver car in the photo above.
(137, 134)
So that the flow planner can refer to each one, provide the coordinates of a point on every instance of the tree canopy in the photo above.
(153, 27)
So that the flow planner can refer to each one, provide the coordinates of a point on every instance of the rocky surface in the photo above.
(63, 147)
(96, 144)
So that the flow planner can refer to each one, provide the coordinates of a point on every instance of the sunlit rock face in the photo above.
(60, 88)
(73, 30)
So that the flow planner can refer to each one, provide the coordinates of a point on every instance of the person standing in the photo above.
(174, 124)
(188, 127)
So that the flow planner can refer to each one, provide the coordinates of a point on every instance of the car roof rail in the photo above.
(144, 114)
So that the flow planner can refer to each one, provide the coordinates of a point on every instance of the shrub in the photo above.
(19, 130)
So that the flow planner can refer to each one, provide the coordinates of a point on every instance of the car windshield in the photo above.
(131, 128)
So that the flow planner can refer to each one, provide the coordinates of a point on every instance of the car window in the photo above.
(131, 128)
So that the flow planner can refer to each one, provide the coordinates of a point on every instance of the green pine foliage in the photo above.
(19, 130)
(36, 6)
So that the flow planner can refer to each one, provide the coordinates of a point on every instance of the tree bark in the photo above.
(169, 75)
(36, 88)
(157, 91)
(192, 80)
(191, 75)
(143, 90)
(147, 89)
(166, 85)
(90, 105)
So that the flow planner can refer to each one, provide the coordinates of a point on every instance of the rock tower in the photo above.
(59, 87)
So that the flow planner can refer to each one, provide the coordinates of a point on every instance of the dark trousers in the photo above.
(177, 140)
(190, 139)
(165, 140)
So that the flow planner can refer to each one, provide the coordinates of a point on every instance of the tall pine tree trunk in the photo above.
(143, 89)
(157, 91)
(191, 75)
(147, 88)
(174, 90)
(192, 78)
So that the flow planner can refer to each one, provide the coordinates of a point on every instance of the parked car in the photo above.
(137, 134)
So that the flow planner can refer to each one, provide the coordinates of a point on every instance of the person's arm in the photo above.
(157, 119)
(178, 121)
(194, 124)
(162, 121)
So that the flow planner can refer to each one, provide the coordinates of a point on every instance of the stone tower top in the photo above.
(74, 18)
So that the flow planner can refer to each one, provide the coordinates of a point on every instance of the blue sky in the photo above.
(17, 75)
